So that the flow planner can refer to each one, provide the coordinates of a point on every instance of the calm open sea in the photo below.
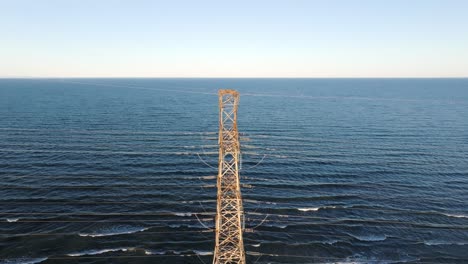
(335, 170)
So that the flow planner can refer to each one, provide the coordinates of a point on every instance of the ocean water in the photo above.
(333, 170)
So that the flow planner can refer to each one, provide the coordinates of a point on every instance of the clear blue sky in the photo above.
(254, 38)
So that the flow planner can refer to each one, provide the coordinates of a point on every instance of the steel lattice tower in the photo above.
(229, 247)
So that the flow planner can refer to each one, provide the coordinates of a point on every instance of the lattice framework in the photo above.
(229, 245)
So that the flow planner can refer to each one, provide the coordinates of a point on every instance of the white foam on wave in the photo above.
(12, 220)
(93, 252)
(203, 253)
(162, 252)
(456, 215)
(188, 202)
(314, 209)
(308, 209)
(256, 245)
(175, 252)
(114, 231)
(331, 242)
(370, 237)
(208, 177)
(23, 261)
(442, 243)
(154, 252)
(175, 226)
(183, 214)
(277, 226)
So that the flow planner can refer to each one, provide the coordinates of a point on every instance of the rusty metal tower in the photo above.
(229, 247)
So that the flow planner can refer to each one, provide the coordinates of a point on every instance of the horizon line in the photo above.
(239, 77)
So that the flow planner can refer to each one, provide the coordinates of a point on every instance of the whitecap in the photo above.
(330, 242)
(23, 261)
(208, 177)
(162, 252)
(314, 209)
(183, 214)
(203, 253)
(277, 226)
(99, 251)
(186, 226)
(114, 231)
(154, 252)
(12, 220)
(308, 209)
(457, 215)
(441, 243)
(256, 245)
(369, 238)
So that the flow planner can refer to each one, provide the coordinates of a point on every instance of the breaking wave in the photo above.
(12, 220)
(442, 243)
(456, 215)
(114, 231)
(314, 209)
(369, 238)
(198, 226)
(203, 253)
(100, 251)
(161, 252)
(308, 209)
(176, 252)
(23, 261)
(183, 214)
(331, 242)
(276, 226)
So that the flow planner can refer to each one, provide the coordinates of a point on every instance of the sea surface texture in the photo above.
(333, 170)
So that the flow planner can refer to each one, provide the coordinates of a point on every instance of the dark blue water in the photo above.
(334, 170)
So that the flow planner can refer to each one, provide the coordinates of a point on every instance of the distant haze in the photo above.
(254, 38)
